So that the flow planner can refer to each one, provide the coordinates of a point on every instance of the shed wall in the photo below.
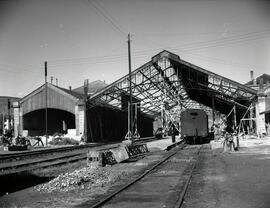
(55, 100)
(107, 125)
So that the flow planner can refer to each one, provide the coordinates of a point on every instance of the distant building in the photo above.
(94, 87)
(262, 106)
(263, 81)
(4, 110)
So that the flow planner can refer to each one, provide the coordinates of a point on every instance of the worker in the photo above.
(225, 142)
(236, 141)
(267, 126)
(173, 133)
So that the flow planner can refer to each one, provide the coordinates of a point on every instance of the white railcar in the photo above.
(194, 126)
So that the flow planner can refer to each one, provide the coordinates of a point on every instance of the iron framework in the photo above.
(172, 84)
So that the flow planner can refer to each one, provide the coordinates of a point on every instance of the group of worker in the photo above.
(231, 141)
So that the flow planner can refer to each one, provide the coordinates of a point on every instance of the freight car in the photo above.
(194, 126)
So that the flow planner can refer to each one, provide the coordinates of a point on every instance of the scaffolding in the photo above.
(247, 124)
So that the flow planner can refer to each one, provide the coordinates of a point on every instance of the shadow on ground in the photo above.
(19, 181)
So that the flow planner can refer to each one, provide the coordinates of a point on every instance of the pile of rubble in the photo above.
(86, 177)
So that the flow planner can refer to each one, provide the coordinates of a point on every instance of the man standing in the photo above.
(267, 125)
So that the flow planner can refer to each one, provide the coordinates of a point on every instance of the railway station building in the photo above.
(65, 107)
(167, 85)
(161, 89)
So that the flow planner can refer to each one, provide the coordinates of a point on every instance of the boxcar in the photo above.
(194, 126)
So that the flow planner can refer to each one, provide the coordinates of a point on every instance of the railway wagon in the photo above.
(194, 126)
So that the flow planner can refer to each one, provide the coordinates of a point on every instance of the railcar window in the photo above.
(193, 114)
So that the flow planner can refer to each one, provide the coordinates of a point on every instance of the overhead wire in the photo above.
(222, 41)
(187, 47)
(108, 19)
(222, 61)
(114, 20)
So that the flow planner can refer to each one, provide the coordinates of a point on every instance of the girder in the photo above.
(177, 83)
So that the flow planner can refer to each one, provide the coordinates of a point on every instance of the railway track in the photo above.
(135, 193)
(36, 159)
(42, 159)
(185, 188)
(13, 156)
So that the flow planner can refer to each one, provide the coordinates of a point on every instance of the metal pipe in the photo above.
(9, 116)
(85, 110)
(46, 105)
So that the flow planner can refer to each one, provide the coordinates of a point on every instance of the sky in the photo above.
(88, 39)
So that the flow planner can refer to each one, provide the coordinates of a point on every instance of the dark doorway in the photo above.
(34, 121)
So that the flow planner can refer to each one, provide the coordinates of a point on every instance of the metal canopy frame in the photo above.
(173, 83)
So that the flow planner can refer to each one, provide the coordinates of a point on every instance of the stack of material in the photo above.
(78, 178)
(107, 157)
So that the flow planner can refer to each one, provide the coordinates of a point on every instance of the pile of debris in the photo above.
(86, 177)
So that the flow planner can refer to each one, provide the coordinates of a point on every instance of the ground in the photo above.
(220, 180)
(232, 179)
(119, 175)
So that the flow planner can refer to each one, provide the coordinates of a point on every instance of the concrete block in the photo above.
(216, 144)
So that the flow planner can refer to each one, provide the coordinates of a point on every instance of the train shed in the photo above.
(166, 85)
(161, 89)
(63, 106)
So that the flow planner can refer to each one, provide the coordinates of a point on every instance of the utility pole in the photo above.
(46, 105)
(130, 88)
(85, 132)
(3, 124)
(9, 117)
(129, 135)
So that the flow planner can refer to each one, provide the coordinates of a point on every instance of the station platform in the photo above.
(251, 141)
(162, 144)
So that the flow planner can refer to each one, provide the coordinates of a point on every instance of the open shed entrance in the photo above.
(34, 121)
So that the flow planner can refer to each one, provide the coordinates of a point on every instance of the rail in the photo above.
(108, 198)
(31, 160)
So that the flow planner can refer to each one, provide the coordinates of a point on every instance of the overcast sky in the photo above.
(87, 39)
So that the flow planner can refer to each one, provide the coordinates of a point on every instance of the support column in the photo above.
(16, 114)
(79, 119)
(251, 115)
(21, 121)
(234, 118)
(213, 109)
(18, 119)
(260, 119)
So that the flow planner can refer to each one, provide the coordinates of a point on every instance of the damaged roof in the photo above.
(167, 81)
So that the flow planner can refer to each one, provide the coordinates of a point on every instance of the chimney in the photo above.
(252, 77)
(56, 81)
(261, 83)
(51, 79)
(69, 88)
(86, 85)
